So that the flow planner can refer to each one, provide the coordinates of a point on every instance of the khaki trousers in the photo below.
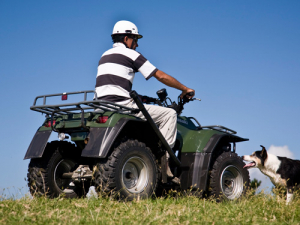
(164, 118)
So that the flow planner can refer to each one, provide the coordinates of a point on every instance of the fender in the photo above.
(101, 139)
(195, 166)
(100, 142)
(38, 144)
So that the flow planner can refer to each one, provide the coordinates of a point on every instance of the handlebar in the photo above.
(162, 100)
(190, 93)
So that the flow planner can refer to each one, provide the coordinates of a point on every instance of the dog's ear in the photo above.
(263, 153)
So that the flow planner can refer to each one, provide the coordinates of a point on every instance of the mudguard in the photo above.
(101, 139)
(195, 166)
(38, 144)
(99, 144)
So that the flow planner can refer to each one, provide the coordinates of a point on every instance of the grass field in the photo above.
(252, 209)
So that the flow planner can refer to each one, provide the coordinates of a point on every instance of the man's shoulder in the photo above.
(130, 53)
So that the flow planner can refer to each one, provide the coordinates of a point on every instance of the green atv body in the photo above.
(105, 145)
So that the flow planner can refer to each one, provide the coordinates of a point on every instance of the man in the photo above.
(116, 71)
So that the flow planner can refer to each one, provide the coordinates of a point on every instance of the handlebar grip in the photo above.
(191, 93)
(186, 99)
(146, 99)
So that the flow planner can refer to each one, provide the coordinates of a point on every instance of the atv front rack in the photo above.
(219, 128)
(214, 127)
(82, 106)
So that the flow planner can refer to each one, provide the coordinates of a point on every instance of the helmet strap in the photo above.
(132, 43)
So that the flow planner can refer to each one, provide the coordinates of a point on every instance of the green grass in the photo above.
(253, 209)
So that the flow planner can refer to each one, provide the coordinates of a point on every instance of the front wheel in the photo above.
(228, 179)
(131, 171)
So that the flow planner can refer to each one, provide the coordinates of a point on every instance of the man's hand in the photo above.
(187, 91)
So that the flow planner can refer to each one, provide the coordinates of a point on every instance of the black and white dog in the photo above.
(281, 170)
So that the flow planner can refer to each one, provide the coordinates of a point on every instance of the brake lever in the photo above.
(198, 99)
(185, 100)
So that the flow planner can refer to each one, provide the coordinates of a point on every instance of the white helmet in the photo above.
(126, 27)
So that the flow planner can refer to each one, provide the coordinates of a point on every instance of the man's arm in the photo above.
(172, 82)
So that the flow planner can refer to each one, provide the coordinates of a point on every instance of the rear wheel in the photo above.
(228, 179)
(45, 174)
(131, 171)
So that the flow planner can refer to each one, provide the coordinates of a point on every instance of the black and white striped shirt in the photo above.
(116, 71)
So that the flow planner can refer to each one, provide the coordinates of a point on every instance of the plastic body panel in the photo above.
(38, 144)
(97, 142)
(70, 121)
(194, 139)
(102, 138)
(194, 170)
(195, 165)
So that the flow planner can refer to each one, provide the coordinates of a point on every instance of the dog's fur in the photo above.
(281, 170)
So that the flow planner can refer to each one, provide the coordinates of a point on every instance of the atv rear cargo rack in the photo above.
(83, 106)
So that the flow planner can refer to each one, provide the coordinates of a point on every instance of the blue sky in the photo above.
(241, 57)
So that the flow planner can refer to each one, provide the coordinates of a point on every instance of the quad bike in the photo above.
(115, 151)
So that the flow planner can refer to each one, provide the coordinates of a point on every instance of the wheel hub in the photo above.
(135, 175)
(231, 182)
(64, 166)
